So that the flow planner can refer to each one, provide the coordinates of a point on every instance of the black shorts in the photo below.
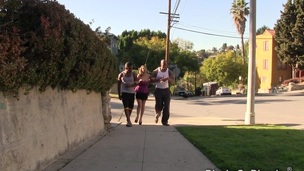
(127, 100)
(141, 96)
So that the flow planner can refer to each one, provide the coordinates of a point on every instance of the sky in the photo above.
(197, 18)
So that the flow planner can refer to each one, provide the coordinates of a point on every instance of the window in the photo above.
(266, 45)
(265, 64)
(281, 65)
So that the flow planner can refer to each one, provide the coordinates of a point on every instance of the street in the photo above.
(283, 109)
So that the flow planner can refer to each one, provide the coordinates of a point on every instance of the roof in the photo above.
(270, 31)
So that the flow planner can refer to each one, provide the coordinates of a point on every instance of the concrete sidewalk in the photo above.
(138, 148)
(155, 147)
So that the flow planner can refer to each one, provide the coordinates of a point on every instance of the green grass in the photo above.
(264, 147)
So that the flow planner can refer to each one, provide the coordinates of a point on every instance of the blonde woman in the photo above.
(142, 92)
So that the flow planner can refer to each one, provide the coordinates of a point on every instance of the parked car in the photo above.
(223, 91)
(183, 94)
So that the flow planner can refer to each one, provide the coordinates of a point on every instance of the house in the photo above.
(113, 43)
(271, 72)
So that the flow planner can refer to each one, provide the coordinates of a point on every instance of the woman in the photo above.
(142, 92)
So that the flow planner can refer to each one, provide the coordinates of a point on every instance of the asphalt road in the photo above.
(282, 109)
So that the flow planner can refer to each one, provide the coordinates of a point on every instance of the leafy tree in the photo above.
(224, 69)
(183, 44)
(239, 11)
(137, 46)
(202, 55)
(104, 36)
(149, 47)
(187, 61)
(261, 30)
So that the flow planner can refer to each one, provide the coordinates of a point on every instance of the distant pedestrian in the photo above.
(125, 88)
(161, 76)
(142, 92)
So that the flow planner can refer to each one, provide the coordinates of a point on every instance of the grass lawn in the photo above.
(263, 147)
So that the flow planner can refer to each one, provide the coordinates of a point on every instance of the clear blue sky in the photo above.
(208, 16)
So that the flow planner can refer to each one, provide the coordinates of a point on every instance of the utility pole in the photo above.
(170, 16)
(250, 115)
(168, 32)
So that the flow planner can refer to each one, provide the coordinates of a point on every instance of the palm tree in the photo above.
(239, 11)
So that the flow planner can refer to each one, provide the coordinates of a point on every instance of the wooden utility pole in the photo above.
(168, 32)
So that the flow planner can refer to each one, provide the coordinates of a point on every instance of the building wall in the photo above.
(39, 127)
(269, 74)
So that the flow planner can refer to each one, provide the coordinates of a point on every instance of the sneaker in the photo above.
(166, 124)
(129, 124)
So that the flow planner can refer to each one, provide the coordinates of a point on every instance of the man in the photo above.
(162, 76)
(125, 88)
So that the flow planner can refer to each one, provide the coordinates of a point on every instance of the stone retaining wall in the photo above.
(39, 127)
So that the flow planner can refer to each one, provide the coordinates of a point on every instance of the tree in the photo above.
(225, 69)
(239, 11)
(183, 44)
(202, 55)
(214, 50)
(223, 48)
(134, 45)
(104, 36)
(297, 33)
(261, 30)
(283, 34)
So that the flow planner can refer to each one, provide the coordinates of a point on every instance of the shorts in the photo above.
(141, 96)
(127, 100)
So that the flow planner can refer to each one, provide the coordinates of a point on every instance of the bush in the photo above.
(43, 44)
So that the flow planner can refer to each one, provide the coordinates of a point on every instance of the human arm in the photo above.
(171, 78)
(153, 77)
(119, 81)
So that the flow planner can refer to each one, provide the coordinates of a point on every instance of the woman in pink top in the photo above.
(142, 92)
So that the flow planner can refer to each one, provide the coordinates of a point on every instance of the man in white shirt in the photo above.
(162, 76)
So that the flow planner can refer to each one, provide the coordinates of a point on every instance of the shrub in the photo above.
(43, 44)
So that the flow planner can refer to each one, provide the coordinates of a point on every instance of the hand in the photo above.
(163, 79)
(119, 96)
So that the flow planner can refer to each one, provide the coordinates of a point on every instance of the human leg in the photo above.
(128, 102)
(142, 111)
(166, 109)
(138, 111)
(158, 103)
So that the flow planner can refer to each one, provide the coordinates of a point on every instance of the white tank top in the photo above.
(160, 74)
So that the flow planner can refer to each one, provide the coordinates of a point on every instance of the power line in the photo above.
(210, 34)
(202, 28)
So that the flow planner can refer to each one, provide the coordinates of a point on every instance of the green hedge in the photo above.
(42, 44)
